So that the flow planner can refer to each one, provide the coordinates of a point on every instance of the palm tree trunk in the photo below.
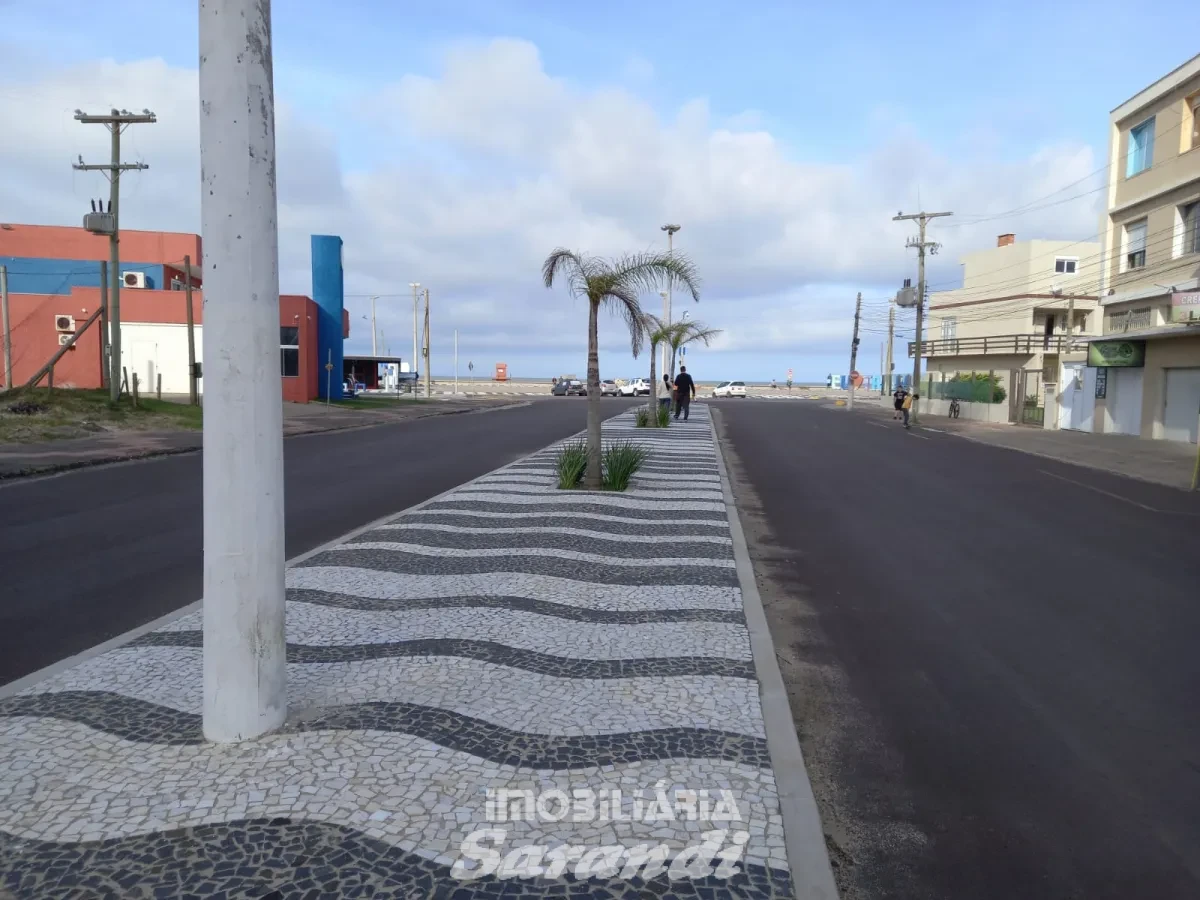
(592, 477)
(653, 386)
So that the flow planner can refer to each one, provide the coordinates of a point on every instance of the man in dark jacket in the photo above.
(685, 390)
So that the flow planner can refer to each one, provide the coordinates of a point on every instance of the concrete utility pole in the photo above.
(456, 362)
(105, 350)
(416, 286)
(854, 345)
(193, 382)
(428, 384)
(116, 122)
(890, 365)
(7, 333)
(245, 666)
(922, 219)
(670, 230)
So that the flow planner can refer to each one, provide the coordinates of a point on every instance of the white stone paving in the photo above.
(66, 781)
(551, 552)
(399, 587)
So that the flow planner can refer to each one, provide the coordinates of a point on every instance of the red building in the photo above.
(55, 272)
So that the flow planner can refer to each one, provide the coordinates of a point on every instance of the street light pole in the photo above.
(922, 219)
(416, 286)
(245, 665)
(670, 230)
(374, 344)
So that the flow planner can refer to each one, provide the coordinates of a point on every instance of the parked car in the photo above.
(566, 388)
(730, 389)
(635, 387)
(608, 388)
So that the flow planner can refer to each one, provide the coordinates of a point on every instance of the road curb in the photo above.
(804, 835)
(25, 681)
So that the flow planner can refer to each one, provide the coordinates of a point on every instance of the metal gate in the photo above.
(1032, 408)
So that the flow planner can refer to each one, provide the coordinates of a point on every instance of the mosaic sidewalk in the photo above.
(507, 636)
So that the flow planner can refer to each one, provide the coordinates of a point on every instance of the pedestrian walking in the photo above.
(665, 399)
(907, 407)
(898, 397)
(685, 391)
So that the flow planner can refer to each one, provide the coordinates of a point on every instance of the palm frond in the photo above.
(564, 263)
(647, 271)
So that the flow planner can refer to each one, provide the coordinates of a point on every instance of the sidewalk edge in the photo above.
(803, 834)
(25, 681)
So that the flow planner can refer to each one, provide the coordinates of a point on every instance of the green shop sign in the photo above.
(1131, 354)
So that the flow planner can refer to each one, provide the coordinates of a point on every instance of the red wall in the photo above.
(35, 340)
(63, 242)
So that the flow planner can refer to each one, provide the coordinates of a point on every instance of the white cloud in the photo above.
(519, 161)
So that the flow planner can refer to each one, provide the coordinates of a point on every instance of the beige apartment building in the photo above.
(1147, 355)
(1022, 307)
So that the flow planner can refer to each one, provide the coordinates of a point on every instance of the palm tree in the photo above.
(614, 283)
(684, 333)
(657, 332)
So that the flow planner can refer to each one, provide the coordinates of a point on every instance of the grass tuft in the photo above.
(621, 462)
(571, 462)
(663, 414)
(641, 418)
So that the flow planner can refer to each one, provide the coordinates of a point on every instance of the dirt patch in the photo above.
(856, 779)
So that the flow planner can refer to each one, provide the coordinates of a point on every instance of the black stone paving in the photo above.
(137, 720)
(486, 651)
(273, 859)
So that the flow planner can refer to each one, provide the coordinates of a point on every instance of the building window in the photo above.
(289, 351)
(1065, 265)
(1191, 122)
(1140, 155)
(1190, 219)
(1140, 318)
(949, 328)
(1135, 245)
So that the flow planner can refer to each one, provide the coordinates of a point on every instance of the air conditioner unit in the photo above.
(64, 339)
(134, 279)
(64, 323)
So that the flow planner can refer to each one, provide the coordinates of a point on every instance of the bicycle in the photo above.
(954, 408)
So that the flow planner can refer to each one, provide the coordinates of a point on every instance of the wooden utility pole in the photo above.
(7, 331)
(105, 350)
(922, 220)
(854, 345)
(193, 387)
(116, 122)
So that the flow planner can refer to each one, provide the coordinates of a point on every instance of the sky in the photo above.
(457, 143)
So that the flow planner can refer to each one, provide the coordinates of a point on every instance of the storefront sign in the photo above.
(1185, 306)
(1131, 354)
(1101, 383)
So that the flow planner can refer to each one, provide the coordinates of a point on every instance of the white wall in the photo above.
(153, 349)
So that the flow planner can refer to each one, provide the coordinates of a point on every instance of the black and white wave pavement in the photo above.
(506, 636)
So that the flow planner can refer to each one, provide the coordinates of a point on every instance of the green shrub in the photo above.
(663, 415)
(571, 462)
(970, 387)
(621, 462)
(641, 418)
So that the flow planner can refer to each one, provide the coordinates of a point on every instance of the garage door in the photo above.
(1125, 400)
(1182, 410)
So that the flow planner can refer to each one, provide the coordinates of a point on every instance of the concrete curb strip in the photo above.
(804, 836)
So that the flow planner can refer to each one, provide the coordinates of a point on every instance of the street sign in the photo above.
(789, 374)
(470, 367)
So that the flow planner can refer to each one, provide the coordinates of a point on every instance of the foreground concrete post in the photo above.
(245, 667)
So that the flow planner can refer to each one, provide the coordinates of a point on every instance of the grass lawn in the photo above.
(42, 414)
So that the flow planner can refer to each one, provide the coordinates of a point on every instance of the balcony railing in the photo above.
(1000, 343)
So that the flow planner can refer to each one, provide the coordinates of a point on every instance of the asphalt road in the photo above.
(993, 659)
(88, 555)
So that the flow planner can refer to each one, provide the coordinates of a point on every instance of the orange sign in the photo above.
(856, 379)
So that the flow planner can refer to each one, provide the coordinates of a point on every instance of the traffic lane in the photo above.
(89, 554)
(1032, 690)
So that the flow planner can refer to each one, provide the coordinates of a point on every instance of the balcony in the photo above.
(1008, 344)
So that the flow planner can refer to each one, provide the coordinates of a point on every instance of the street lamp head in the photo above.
(414, 284)
(671, 229)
